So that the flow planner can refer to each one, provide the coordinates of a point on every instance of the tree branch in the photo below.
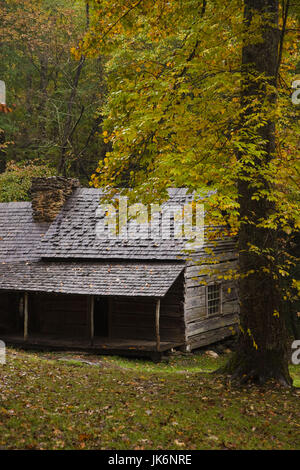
(285, 11)
(121, 18)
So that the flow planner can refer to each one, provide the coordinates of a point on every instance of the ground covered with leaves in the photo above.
(77, 401)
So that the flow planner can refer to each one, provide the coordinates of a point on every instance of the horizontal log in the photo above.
(195, 271)
(194, 313)
(208, 324)
(196, 282)
(198, 301)
(205, 258)
(220, 246)
(194, 291)
(209, 337)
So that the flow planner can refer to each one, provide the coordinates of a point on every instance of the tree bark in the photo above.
(262, 351)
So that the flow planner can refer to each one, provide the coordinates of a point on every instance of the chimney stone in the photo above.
(49, 195)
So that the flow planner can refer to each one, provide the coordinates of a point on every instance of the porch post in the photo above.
(25, 316)
(109, 316)
(92, 303)
(157, 313)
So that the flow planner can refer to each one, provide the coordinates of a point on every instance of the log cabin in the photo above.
(64, 287)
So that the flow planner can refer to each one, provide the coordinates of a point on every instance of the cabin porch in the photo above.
(132, 326)
(115, 346)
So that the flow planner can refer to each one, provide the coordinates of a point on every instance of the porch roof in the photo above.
(151, 279)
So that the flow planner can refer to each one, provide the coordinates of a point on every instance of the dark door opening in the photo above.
(101, 312)
(11, 313)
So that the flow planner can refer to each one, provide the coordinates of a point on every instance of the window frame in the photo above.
(220, 309)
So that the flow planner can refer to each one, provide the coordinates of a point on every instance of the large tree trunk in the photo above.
(262, 351)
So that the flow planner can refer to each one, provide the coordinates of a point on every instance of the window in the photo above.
(214, 299)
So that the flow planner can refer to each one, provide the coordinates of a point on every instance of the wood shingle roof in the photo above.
(92, 278)
(19, 234)
(80, 263)
(73, 233)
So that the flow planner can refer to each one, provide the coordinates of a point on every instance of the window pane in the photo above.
(213, 299)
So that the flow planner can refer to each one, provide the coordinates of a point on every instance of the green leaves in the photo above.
(15, 182)
(173, 111)
(54, 97)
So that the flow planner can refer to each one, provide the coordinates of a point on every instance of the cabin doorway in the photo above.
(11, 313)
(101, 314)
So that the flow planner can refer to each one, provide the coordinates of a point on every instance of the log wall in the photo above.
(203, 329)
(134, 317)
(59, 315)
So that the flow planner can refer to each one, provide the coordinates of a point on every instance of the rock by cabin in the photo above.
(61, 286)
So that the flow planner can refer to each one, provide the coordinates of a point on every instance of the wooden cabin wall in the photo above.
(59, 315)
(202, 329)
(10, 315)
(172, 325)
(134, 317)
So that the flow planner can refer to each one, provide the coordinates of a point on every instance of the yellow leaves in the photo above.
(287, 229)
(266, 270)
(162, 102)
(106, 137)
(179, 443)
(252, 337)
(76, 53)
(276, 314)
(283, 272)
(296, 284)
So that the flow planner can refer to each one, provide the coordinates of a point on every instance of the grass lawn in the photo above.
(77, 401)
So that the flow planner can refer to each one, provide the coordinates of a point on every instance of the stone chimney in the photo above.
(49, 196)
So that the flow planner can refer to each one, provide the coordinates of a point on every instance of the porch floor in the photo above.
(126, 347)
